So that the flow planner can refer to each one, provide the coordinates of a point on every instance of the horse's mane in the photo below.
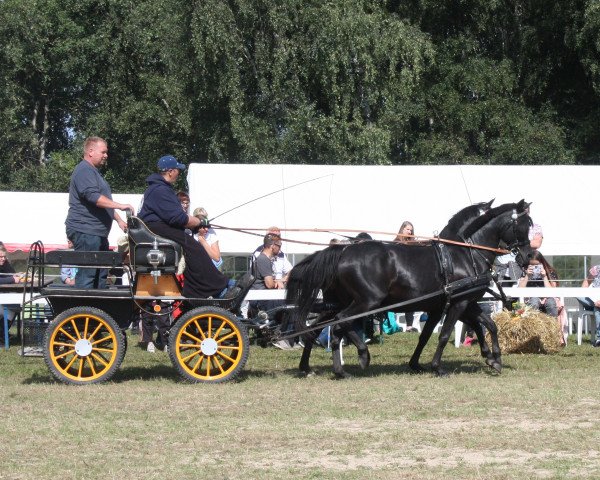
(458, 219)
(486, 217)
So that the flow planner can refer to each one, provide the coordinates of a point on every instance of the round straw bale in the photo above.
(529, 331)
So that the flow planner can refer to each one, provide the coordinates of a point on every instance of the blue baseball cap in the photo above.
(169, 161)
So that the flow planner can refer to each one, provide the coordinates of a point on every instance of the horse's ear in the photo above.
(488, 205)
(521, 205)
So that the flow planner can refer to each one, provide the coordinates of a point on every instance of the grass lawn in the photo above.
(535, 420)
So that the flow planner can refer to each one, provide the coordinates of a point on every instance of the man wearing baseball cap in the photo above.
(161, 211)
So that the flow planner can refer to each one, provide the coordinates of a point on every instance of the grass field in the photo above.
(535, 420)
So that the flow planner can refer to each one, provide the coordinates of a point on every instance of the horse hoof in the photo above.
(342, 375)
(308, 374)
(441, 373)
(364, 358)
(490, 362)
(416, 368)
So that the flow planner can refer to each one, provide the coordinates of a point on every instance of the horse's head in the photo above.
(506, 226)
(516, 234)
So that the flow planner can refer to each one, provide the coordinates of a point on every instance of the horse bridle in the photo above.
(515, 246)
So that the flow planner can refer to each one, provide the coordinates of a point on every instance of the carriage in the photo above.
(208, 340)
(84, 341)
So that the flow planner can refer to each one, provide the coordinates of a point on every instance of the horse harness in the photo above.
(452, 289)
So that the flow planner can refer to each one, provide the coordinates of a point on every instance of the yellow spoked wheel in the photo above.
(83, 345)
(208, 344)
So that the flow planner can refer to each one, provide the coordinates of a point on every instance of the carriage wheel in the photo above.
(83, 345)
(208, 344)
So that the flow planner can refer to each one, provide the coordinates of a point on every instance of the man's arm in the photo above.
(105, 202)
(193, 222)
(270, 282)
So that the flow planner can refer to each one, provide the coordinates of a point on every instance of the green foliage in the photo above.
(345, 82)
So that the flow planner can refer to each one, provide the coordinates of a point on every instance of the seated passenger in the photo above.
(207, 237)
(162, 213)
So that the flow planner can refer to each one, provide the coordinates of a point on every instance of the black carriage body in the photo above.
(83, 329)
(117, 302)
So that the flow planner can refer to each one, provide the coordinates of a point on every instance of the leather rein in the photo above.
(413, 241)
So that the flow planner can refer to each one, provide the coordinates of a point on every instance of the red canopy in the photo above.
(48, 247)
(24, 247)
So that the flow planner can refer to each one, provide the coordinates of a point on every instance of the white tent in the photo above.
(369, 198)
(379, 198)
(30, 216)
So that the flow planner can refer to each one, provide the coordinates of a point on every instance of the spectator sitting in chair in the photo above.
(281, 264)
(593, 303)
(7, 272)
(262, 269)
(539, 273)
(406, 235)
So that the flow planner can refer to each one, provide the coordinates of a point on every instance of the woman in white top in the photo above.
(208, 237)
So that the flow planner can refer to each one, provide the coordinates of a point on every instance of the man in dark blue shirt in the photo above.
(92, 210)
(162, 213)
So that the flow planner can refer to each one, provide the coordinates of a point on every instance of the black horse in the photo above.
(362, 277)
(452, 231)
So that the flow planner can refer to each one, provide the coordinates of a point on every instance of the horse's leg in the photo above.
(309, 340)
(476, 318)
(432, 321)
(354, 308)
(485, 320)
(336, 336)
(472, 318)
(364, 357)
(454, 312)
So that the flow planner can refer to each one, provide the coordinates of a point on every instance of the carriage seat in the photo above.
(146, 249)
(239, 291)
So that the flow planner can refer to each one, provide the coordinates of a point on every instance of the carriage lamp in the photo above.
(155, 258)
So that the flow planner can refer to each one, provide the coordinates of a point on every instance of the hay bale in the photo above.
(527, 331)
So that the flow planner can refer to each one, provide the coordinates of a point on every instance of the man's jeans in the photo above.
(84, 242)
(588, 304)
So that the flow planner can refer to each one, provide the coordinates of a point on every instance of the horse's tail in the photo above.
(316, 272)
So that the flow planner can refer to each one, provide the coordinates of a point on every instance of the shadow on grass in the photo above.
(40, 379)
(452, 367)
(153, 372)
(124, 374)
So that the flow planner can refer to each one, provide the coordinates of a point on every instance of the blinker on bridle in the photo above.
(514, 246)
